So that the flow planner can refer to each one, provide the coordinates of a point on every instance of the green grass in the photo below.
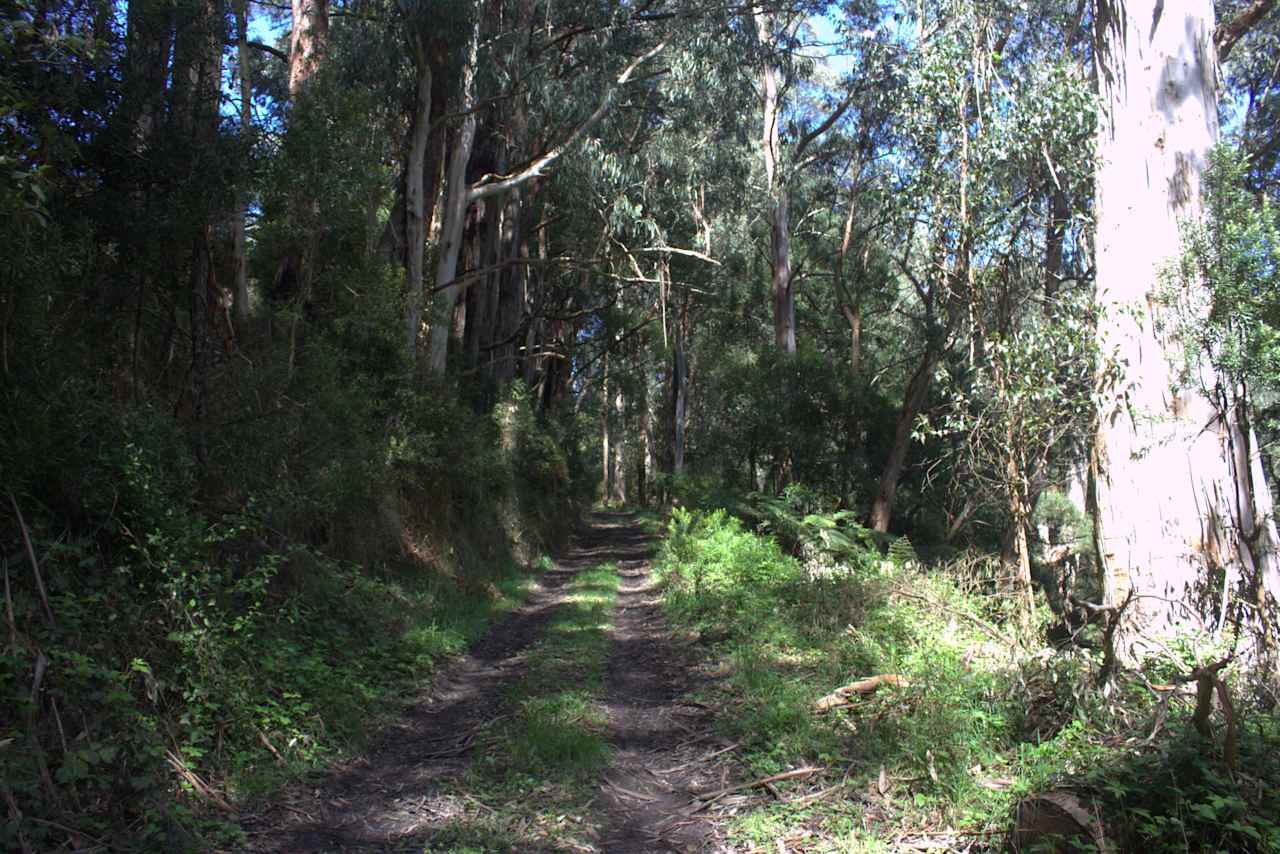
(350, 644)
(980, 725)
(535, 780)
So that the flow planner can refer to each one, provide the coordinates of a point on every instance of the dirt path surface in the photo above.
(660, 737)
(413, 783)
(384, 800)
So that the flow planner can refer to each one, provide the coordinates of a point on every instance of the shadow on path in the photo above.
(393, 797)
(661, 738)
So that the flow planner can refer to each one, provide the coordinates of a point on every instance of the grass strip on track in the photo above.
(531, 788)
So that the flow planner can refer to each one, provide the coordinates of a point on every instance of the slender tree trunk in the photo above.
(415, 202)
(912, 400)
(679, 379)
(1170, 505)
(849, 305)
(644, 462)
(783, 296)
(606, 456)
(240, 260)
(620, 448)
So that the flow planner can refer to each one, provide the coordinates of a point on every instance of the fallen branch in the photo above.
(840, 696)
(817, 796)
(708, 800)
(199, 786)
(639, 796)
(709, 756)
(35, 564)
(262, 736)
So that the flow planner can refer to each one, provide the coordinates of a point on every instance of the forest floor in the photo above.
(569, 727)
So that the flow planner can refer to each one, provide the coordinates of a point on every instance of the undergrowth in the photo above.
(183, 635)
(975, 722)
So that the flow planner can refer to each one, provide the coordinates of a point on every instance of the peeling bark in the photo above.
(1170, 506)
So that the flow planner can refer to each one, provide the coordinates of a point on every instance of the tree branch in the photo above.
(1230, 32)
(491, 185)
(825, 126)
(265, 48)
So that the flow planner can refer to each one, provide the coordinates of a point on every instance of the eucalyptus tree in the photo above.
(787, 135)
(940, 176)
(308, 42)
(576, 34)
(1016, 395)
(661, 172)
(1175, 500)
(1248, 39)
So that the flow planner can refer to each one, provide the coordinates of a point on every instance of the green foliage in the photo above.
(715, 571)
(790, 636)
(980, 722)
(1225, 291)
(802, 519)
(1196, 798)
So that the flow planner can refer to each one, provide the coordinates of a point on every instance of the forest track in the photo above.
(384, 800)
(663, 741)
(416, 787)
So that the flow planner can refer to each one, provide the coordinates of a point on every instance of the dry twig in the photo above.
(708, 800)
(35, 564)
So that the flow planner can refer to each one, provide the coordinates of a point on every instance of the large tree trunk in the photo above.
(307, 41)
(1168, 510)
(196, 88)
(457, 199)
(149, 40)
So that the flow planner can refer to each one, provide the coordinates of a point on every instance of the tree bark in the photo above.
(457, 199)
(240, 261)
(196, 88)
(307, 42)
(620, 447)
(606, 456)
(912, 400)
(415, 230)
(679, 377)
(783, 296)
(1169, 507)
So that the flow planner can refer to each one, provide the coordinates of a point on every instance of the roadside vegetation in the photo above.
(174, 665)
(926, 716)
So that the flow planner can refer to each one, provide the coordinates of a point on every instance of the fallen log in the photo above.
(862, 687)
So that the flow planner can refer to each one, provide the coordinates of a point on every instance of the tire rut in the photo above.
(661, 738)
(391, 798)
